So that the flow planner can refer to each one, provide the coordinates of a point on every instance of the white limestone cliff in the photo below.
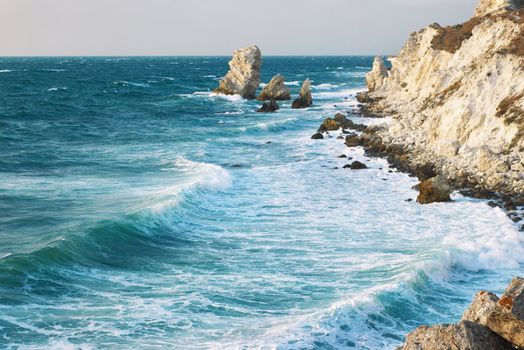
(456, 95)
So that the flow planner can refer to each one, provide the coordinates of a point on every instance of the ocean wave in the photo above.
(128, 83)
(6, 70)
(324, 87)
(51, 70)
(162, 77)
(57, 89)
(264, 126)
(327, 95)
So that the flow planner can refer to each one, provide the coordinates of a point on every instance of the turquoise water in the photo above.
(140, 211)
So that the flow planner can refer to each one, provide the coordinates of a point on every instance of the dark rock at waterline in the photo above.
(328, 125)
(269, 107)
(434, 190)
(340, 118)
(317, 136)
(425, 172)
(342, 156)
(353, 140)
(305, 99)
(340, 137)
(356, 165)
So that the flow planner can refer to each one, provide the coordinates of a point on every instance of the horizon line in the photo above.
(197, 55)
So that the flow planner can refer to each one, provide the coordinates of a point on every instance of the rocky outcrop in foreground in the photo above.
(275, 90)
(434, 190)
(456, 95)
(243, 77)
(305, 99)
(489, 323)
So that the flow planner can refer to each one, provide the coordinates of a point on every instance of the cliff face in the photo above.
(457, 96)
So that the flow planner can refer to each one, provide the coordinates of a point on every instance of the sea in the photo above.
(139, 210)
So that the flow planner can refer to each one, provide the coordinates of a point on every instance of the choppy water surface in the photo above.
(137, 210)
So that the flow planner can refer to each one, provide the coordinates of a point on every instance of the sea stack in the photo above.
(243, 77)
(275, 90)
(378, 74)
(305, 99)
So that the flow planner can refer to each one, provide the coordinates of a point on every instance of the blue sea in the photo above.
(138, 210)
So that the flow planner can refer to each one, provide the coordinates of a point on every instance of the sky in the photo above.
(217, 27)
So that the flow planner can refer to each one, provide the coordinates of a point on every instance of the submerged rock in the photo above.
(243, 77)
(275, 90)
(305, 99)
(434, 190)
(269, 107)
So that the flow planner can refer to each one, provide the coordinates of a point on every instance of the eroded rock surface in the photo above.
(378, 74)
(243, 77)
(504, 316)
(456, 95)
(489, 323)
(275, 90)
(434, 190)
(462, 336)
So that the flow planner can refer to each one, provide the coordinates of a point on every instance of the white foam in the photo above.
(232, 98)
(57, 88)
(324, 87)
(128, 83)
(6, 70)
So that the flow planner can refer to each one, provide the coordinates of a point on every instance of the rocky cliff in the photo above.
(456, 95)
(243, 77)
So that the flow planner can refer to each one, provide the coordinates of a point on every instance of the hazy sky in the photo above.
(216, 27)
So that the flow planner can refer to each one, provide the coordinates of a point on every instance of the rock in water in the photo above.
(504, 316)
(317, 136)
(268, 107)
(462, 336)
(378, 74)
(275, 90)
(243, 77)
(305, 99)
(489, 323)
(434, 190)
